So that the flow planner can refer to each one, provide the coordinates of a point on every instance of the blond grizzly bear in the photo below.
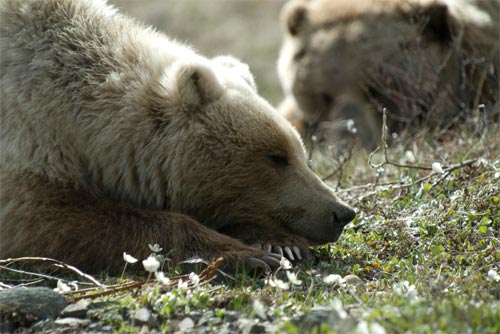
(430, 63)
(114, 136)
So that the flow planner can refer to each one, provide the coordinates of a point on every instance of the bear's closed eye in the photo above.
(279, 159)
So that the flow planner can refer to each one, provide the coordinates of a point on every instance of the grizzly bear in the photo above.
(429, 63)
(114, 136)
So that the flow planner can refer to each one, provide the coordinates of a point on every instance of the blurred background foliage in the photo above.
(249, 30)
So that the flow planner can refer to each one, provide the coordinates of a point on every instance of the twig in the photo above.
(385, 147)
(33, 282)
(122, 287)
(29, 273)
(206, 276)
(482, 80)
(342, 163)
(54, 262)
(5, 286)
(447, 171)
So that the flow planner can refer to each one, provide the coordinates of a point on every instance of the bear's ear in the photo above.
(194, 83)
(294, 17)
(438, 22)
(237, 66)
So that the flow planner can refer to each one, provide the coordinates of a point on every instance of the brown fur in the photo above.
(114, 136)
(428, 62)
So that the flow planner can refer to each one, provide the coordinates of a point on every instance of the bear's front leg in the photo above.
(82, 228)
(271, 240)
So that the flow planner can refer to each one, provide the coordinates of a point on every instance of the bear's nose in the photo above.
(344, 215)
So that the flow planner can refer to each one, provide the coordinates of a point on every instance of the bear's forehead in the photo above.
(326, 11)
(273, 134)
(389, 29)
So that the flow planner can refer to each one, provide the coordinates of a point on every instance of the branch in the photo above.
(56, 263)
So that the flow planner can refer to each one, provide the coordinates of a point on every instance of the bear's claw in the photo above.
(297, 252)
(291, 252)
(278, 250)
(258, 266)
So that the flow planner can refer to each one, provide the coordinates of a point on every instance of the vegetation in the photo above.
(422, 256)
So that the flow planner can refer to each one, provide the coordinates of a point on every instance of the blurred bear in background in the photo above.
(429, 63)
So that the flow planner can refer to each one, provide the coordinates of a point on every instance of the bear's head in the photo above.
(235, 160)
(341, 59)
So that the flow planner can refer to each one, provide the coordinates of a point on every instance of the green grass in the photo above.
(422, 243)
(423, 252)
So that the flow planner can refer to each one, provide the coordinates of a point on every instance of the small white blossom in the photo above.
(350, 126)
(405, 289)
(376, 328)
(292, 277)
(493, 275)
(282, 285)
(129, 258)
(62, 287)
(182, 284)
(277, 283)
(400, 288)
(285, 264)
(333, 279)
(436, 168)
(410, 157)
(259, 309)
(364, 327)
(151, 264)
(337, 307)
(456, 195)
(160, 277)
(155, 248)
(412, 294)
(195, 279)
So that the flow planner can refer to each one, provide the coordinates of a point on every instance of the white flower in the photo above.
(182, 284)
(410, 157)
(129, 258)
(400, 288)
(376, 328)
(365, 327)
(405, 289)
(412, 294)
(362, 327)
(350, 126)
(155, 248)
(333, 279)
(62, 287)
(436, 168)
(292, 277)
(285, 264)
(493, 275)
(281, 285)
(277, 283)
(160, 277)
(195, 279)
(336, 305)
(151, 264)
(259, 309)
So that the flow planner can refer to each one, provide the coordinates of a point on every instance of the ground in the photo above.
(425, 245)
(422, 255)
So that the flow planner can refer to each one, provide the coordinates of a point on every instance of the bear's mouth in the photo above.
(319, 242)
